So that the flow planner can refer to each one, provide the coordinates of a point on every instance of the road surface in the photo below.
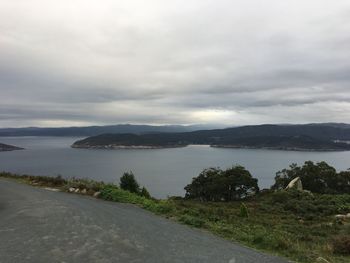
(38, 225)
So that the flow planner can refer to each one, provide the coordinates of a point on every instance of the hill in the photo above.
(96, 130)
(319, 137)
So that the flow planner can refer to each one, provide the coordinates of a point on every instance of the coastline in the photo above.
(149, 147)
(297, 149)
(125, 147)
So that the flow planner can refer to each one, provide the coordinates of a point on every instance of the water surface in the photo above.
(163, 171)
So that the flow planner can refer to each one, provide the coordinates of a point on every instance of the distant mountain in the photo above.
(320, 137)
(96, 130)
(6, 147)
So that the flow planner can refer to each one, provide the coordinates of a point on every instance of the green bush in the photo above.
(113, 193)
(129, 183)
(243, 211)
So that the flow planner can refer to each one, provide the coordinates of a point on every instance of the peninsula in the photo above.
(6, 147)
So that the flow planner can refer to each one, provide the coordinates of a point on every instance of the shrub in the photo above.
(129, 183)
(280, 196)
(243, 211)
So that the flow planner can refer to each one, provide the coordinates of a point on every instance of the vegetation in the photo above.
(317, 178)
(243, 211)
(144, 192)
(214, 184)
(129, 183)
(318, 137)
(91, 186)
(300, 229)
(299, 225)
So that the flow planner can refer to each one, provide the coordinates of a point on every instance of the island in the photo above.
(308, 137)
(6, 147)
(128, 141)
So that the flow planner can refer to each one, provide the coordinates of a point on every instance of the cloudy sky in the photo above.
(233, 62)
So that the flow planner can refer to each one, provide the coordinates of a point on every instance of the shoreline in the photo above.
(297, 149)
(125, 147)
(148, 147)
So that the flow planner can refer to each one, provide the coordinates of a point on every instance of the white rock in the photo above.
(295, 183)
(71, 189)
(348, 215)
(84, 191)
(97, 194)
(340, 216)
(77, 190)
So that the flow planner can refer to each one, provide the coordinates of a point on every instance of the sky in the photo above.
(231, 62)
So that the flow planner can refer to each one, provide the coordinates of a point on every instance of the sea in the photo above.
(164, 172)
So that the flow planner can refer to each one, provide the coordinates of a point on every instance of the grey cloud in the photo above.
(173, 62)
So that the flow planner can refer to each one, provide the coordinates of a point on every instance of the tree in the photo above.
(239, 183)
(315, 177)
(202, 187)
(342, 182)
(129, 183)
(214, 184)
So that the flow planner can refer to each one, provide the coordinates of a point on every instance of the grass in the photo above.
(298, 225)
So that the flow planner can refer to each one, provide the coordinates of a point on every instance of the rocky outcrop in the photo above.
(341, 216)
(295, 184)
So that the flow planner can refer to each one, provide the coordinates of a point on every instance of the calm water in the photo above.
(164, 171)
